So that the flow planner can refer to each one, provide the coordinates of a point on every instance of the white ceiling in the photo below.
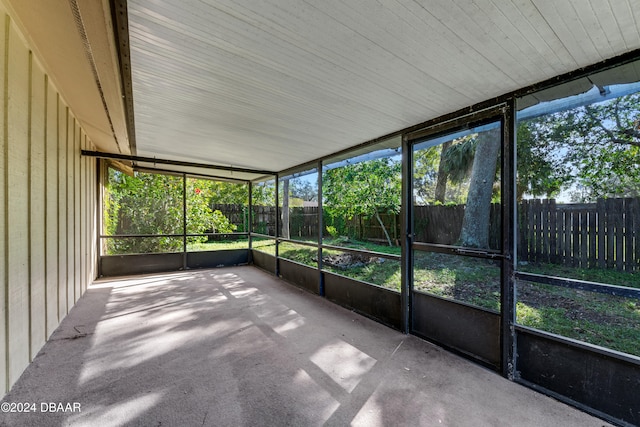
(272, 84)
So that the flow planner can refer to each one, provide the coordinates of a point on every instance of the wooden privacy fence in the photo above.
(303, 222)
(605, 234)
(442, 224)
(370, 229)
(236, 214)
(264, 220)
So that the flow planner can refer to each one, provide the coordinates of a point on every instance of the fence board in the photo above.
(544, 219)
(586, 235)
(634, 223)
(566, 231)
(610, 219)
(628, 236)
(537, 248)
(584, 229)
(592, 239)
(553, 230)
(575, 239)
(619, 233)
(601, 209)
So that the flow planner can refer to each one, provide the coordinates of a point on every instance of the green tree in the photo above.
(465, 166)
(263, 199)
(264, 193)
(540, 171)
(143, 204)
(226, 193)
(441, 172)
(425, 174)
(365, 189)
(152, 204)
(229, 197)
(304, 190)
(201, 218)
(594, 147)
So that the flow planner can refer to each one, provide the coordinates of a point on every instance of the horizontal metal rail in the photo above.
(138, 236)
(217, 234)
(340, 248)
(297, 242)
(154, 160)
(264, 236)
(458, 250)
(583, 285)
(141, 236)
(363, 252)
(330, 247)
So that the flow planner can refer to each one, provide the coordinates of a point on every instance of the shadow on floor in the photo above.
(237, 346)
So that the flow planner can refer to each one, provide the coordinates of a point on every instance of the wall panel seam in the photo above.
(29, 203)
(58, 284)
(66, 205)
(46, 206)
(5, 159)
(73, 208)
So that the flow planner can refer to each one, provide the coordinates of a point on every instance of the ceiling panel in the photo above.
(272, 84)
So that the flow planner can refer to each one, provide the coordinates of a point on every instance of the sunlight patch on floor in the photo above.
(317, 399)
(117, 414)
(277, 316)
(344, 363)
(118, 348)
(151, 279)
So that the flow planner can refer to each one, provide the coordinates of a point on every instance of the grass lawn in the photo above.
(366, 246)
(471, 280)
(217, 246)
(605, 320)
(600, 275)
(371, 269)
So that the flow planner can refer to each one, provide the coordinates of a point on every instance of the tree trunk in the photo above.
(475, 224)
(443, 175)
(285, 209)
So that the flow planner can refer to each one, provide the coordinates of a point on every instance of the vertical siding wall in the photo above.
(47, 205)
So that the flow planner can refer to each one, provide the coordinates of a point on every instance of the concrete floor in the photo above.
(238, 347)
